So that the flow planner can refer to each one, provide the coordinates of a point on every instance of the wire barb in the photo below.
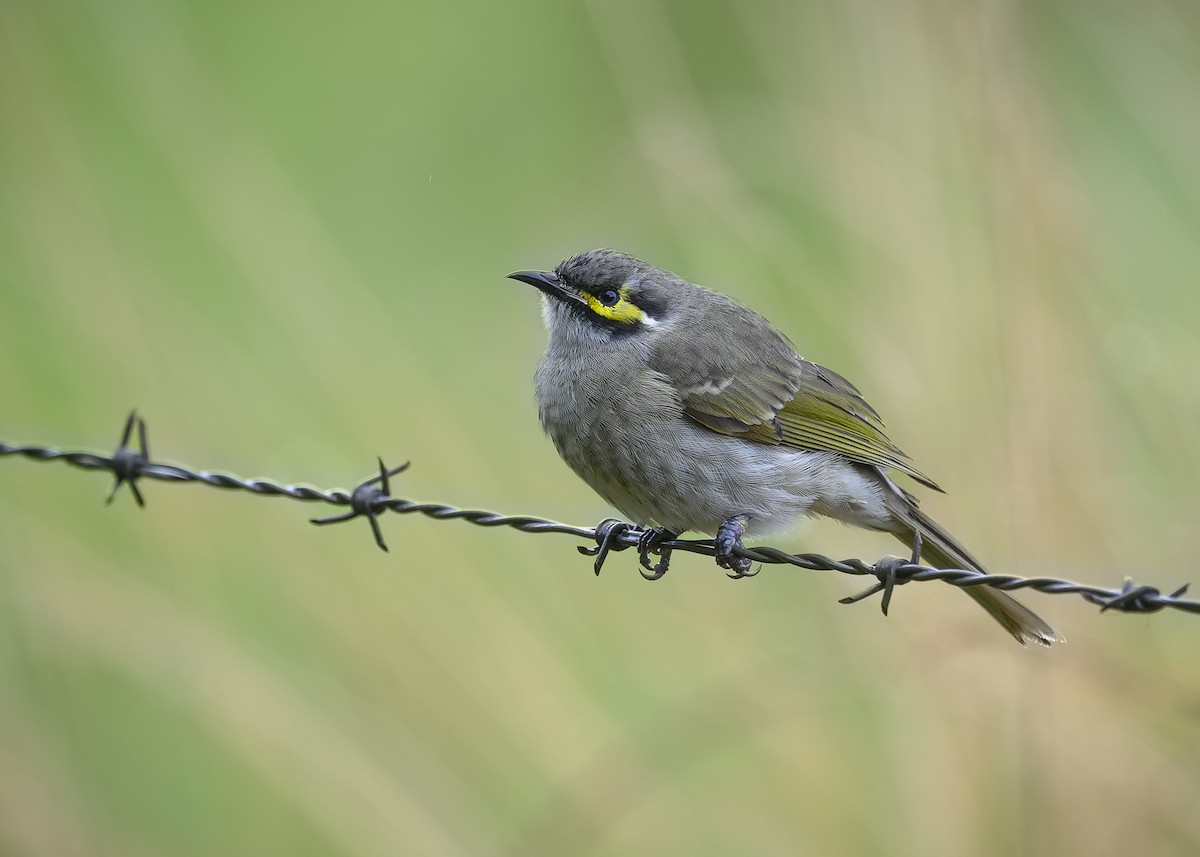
(373, 497)
(608, 539)
(888, 570)
(1134, 599)
(368, 501)
(128, 464)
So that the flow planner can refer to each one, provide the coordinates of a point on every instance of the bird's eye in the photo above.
(609, 297)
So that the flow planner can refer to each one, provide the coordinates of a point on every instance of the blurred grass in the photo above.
(282, 231)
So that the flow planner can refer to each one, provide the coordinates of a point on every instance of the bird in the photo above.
(689, 412)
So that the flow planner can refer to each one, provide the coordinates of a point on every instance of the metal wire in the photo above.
(129, 463)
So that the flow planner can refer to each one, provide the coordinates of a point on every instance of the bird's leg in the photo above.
(729, 538)
(650, 543)
(917, 543)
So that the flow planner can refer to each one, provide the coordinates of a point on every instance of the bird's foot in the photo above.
(729, 539)
(651, 542)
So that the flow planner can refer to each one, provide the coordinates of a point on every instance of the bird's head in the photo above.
(603, 296)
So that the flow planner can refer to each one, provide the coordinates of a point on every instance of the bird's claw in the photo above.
(651, 542)
(740, 572)
(728, 540)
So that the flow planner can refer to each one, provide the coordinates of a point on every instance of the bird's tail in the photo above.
(941, 550)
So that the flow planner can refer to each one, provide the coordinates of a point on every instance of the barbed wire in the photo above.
(129, 463)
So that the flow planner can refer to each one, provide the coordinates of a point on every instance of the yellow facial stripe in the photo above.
(623, 311)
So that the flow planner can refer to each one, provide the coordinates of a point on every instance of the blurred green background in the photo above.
(281, 231)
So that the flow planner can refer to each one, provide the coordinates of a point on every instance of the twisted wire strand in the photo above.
(128, 464)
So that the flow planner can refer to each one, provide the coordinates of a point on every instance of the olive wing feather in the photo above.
(761, 390)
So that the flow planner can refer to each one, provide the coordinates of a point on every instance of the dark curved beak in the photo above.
(546, 282)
